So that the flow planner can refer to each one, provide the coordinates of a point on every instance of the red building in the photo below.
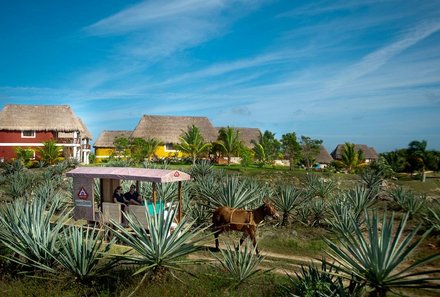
(28, 126)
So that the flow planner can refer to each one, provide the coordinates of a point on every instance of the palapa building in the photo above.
(28, 126)
(168, 130)
(323, 159)
(246, 135)
(104, 145)
(370, 153)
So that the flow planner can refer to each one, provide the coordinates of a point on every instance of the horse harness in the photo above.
(251, 221)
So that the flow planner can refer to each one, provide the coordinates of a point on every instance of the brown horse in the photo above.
(226, 219)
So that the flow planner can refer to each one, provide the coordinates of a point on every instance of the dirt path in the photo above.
(280, 263)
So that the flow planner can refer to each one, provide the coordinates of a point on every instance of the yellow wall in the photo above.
(105, 153)
(161, 153)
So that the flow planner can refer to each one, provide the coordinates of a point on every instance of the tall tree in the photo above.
(310, 150)
(269, 144)
(291, 148)
(417, 156)
(122, 146)
(192, 143)
(229, 142)
(396, 159)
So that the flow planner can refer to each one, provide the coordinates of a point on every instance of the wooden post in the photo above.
(154, 194)
(179, 191)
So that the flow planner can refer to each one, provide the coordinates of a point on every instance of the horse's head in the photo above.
(269, 210)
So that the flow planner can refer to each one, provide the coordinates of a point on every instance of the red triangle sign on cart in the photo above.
(82, 194)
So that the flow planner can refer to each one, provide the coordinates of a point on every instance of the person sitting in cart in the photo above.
(119, 198)
(133, 197)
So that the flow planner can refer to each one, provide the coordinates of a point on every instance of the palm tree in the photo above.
(151, 145)
(229, 142)
(192, 143)
(375, 258)
(260, 153)
(50, 153)
(351, 159)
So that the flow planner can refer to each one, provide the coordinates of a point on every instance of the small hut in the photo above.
(168, 130)
(323, 159)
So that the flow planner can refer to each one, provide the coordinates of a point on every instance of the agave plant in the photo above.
(287, 199)
(408, 201)
(233, 192)
(206, 185)
(359, 199)
(432, 216)
(31, 231)
(164, 191)
(312, 212)
(321, 282)
(242, 264)
(20, 184)
(344, 219)
(319, 187)
(14, 166)
(375, 259)
(200, 214)
(83, 251)
(201, 168)
(372, 178)
(158, 249)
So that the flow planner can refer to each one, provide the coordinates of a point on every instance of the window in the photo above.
(28, 134)
(169, 147)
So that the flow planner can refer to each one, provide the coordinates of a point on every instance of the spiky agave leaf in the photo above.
(233, 192)
(159, 247)
(31, 231)
(375, 258)
(286, 199)
(314, 281)
(240, 264)
(82, 252)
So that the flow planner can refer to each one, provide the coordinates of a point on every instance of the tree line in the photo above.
(299, 151)
(264, 151)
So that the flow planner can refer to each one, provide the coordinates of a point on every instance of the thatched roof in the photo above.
(60, 118)
(246, 135)
(85, 133)
(106, 138)
(323, 156)
(369, 152)
(168, 129)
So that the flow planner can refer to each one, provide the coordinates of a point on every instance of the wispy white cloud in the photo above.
(378, 58)
(159, 28)
(321, 7)
(140, 16)
(154, 30)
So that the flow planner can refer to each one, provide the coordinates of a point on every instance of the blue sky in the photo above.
(358, 71)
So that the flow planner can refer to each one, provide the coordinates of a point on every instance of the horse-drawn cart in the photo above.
(110, 178)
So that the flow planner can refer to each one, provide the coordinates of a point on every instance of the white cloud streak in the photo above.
(378, 58)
